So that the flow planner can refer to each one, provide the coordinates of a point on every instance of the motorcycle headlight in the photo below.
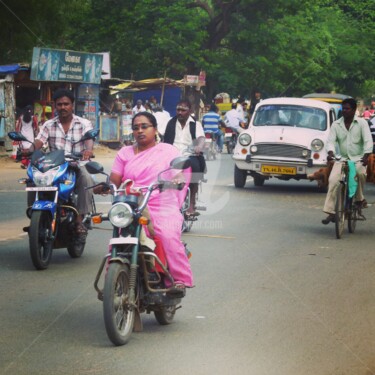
(244, 139)
(317, 144)
(120, 215)
(44, 179)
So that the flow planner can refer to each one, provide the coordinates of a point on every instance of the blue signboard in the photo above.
(66, 66)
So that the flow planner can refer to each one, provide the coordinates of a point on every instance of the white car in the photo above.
(286, 139)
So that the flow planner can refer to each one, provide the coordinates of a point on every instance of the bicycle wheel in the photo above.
(340, 210)
(352, 216)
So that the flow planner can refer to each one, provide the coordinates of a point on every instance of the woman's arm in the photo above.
(115, 179)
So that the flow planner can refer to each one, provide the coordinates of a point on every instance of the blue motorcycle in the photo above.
(52, 203)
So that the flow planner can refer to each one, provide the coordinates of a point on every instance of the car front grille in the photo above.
(279, 150)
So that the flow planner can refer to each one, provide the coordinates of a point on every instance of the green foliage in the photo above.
(282, 47)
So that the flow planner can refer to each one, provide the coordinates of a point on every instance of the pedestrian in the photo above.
(138, 107)
(351, 134)
(212, 121)
(162, 118)
(27, 125)
(60, 133)
(255, 99)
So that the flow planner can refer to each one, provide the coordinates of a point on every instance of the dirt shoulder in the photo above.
(11, 171)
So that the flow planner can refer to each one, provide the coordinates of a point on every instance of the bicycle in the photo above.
(346, 206)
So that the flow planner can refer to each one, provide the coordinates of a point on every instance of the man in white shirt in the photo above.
(138, 107)
(353, 138)
(162, 118)
(233, 119)
(187, 135)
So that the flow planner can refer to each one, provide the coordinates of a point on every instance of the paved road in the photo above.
(275, 293)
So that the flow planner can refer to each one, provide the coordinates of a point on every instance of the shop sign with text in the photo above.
(68, 66)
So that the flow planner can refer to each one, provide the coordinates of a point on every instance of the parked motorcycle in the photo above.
(210, 149)
(135, 268)
(230, 139)
(51, 179)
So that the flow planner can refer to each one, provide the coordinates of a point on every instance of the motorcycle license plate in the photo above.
(278, 169)
(42, 188)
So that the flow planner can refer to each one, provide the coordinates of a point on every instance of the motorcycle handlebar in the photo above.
(165, 185)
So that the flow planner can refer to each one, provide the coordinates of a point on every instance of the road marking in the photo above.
(210, 236)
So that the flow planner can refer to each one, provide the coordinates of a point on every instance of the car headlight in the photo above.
(317, 145)
(244, 139)
(253, 149)
(304, 153)
(44, 179)
(120, 215)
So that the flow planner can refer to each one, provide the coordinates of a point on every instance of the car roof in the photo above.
(330, 98)
(296, 101)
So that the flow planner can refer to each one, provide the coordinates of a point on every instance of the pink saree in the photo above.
(164, 207)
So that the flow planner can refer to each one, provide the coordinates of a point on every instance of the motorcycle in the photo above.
(230, 139)
(135, 267)
(52, 213)
(210, 149)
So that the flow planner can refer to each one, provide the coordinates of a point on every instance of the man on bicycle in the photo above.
(352, 136)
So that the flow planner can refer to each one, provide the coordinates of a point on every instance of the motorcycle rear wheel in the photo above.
(118, 314)
(40, 239)
(165, 315)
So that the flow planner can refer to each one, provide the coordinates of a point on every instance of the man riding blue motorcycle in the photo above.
(59, 206)
(63, 133)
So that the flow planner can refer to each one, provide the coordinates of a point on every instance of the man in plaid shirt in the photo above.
(60, 133)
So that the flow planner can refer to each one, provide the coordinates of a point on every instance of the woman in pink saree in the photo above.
(142, 163)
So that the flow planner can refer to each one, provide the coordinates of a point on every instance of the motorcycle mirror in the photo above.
(181, 162)
(16, 136)
(94, 167)
(91, 134)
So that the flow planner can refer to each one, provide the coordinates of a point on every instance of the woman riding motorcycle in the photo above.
(142, 162)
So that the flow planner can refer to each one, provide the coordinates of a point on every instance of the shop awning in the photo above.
(145, 84)
(9, 69)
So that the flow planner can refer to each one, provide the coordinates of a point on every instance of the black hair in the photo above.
(150, 117)
(63, 92)
(213, 108)
(234, 105)
(352, 102)
(185, 101)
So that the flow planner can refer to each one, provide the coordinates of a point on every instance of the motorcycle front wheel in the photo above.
(340, 211)
(119, 315)
(165, 315)
(40, 239)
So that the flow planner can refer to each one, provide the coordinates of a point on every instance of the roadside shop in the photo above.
(166, 92)
(50, 69)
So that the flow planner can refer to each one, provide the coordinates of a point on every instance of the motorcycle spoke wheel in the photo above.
(165, 315)
(40, 239)
(186, 225)
(340, 211)
(118, 313)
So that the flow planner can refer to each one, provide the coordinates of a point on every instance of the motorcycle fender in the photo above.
(44, 206)
(119, 260)
(123, 241)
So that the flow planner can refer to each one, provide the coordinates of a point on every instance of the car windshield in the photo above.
(291, 115)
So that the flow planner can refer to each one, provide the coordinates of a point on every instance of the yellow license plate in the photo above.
(278, 170)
